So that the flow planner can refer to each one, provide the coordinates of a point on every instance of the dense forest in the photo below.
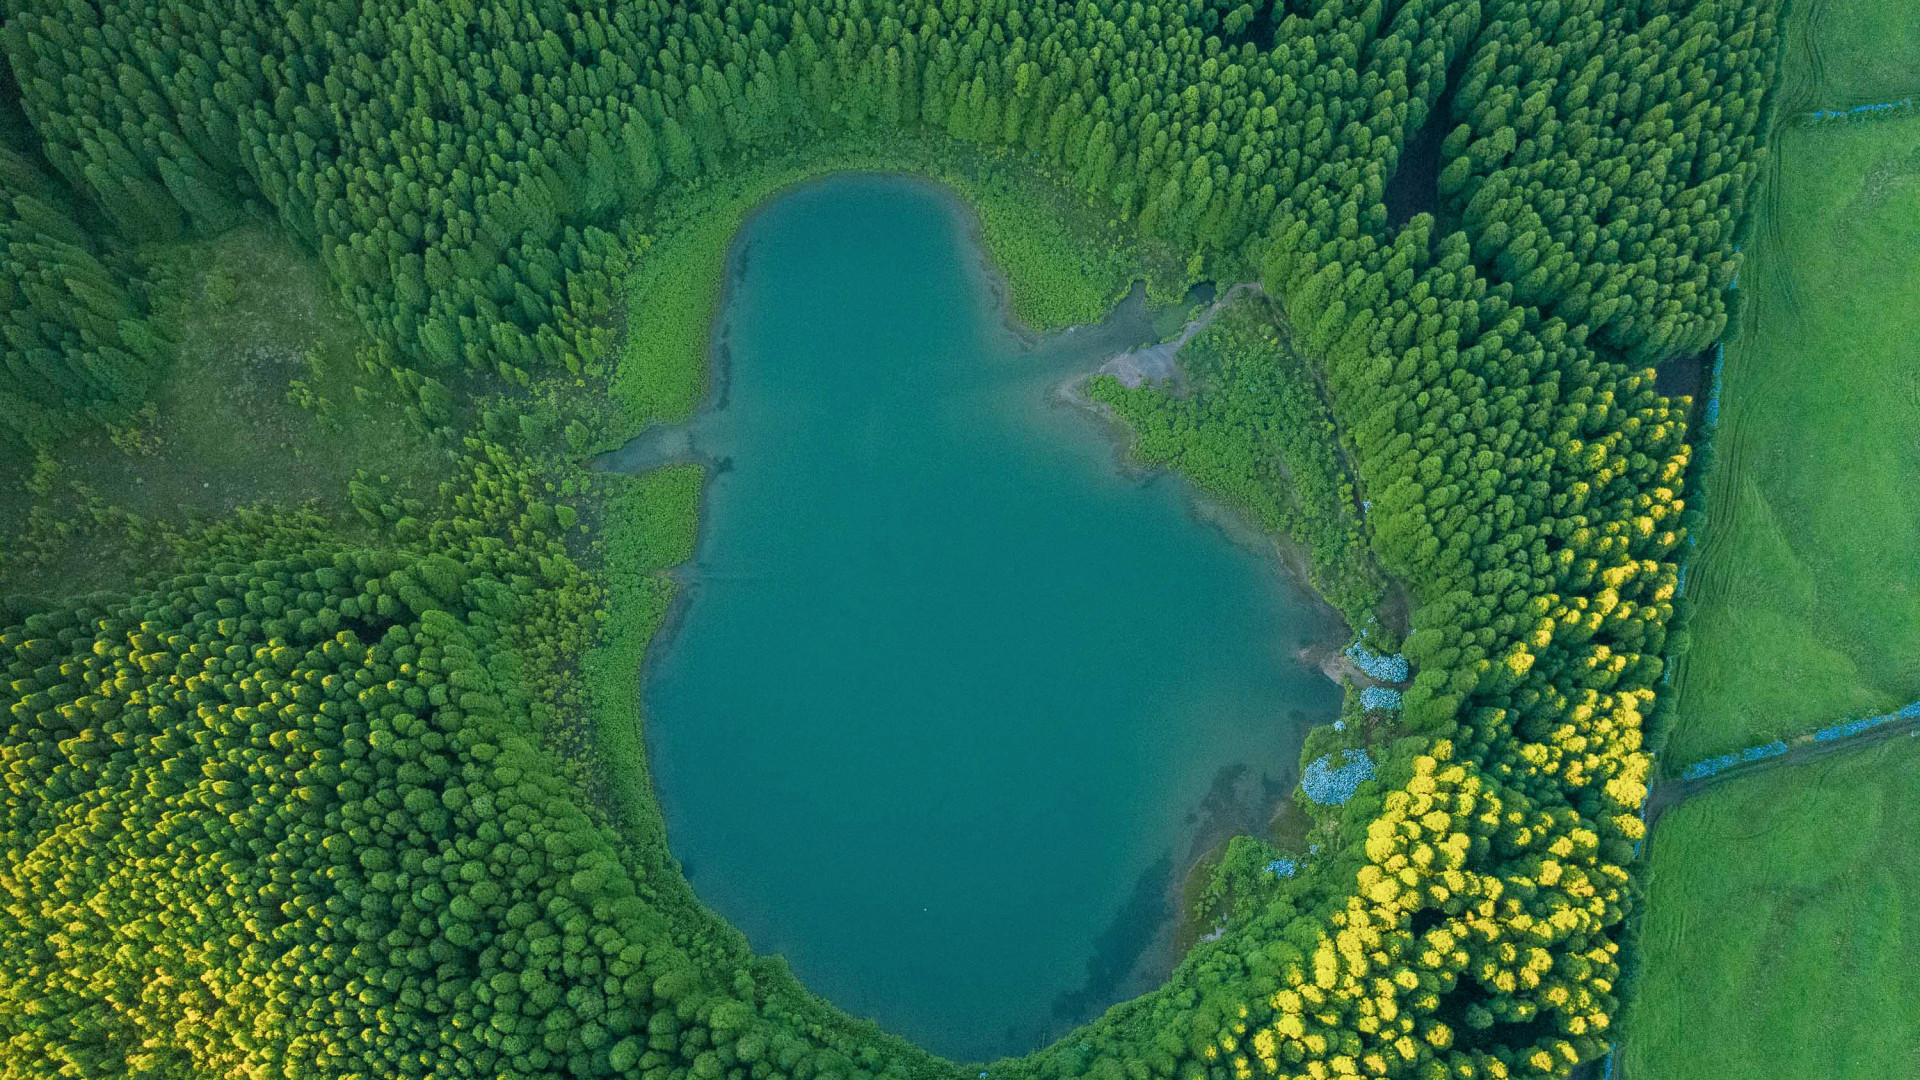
(283, 810)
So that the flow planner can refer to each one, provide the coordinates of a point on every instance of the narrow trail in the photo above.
(1155, 362)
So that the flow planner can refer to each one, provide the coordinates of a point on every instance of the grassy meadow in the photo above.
(1779, 936)
(1808, 586)
(1851, 52)
(266, 402)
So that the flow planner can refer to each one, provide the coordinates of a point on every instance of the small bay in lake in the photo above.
(955, 697)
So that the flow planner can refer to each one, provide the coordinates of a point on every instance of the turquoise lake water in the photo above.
(955, 696)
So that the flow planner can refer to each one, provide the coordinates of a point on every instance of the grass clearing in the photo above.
(1807, 591)
(648, 525)
(262, 322)
(1780, 930)
(267, 402)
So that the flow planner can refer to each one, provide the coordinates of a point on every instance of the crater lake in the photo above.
(954, 697)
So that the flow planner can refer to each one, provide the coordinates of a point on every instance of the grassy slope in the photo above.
(1808, 594)
(1782, 926)
(220, 431)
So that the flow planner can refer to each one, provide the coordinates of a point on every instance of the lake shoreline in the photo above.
(1078, 349)
(1323, 652)
(1162, 954)
(1230, 520)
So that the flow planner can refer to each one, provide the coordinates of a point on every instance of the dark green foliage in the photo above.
(1604, 157)
(80, 340)
(476, 176)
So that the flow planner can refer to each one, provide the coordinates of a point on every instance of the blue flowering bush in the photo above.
(1384, 668)
(1727, 761)
(1849, 727)
(1250, 873)
(1710, 417)
(1859, 112)
(1855, 727)
(1331, 785)
(1841, 730)
(1379, 697)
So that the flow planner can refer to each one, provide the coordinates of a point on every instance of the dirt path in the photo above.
(1155, 362)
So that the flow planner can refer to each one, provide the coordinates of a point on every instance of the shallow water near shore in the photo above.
(954, 694)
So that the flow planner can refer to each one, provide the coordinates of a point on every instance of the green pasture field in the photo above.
(1780, 932)
(1808, 582)
(1777, 937)
(1852, 52)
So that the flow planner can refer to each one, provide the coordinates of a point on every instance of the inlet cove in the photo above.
(954, 697)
